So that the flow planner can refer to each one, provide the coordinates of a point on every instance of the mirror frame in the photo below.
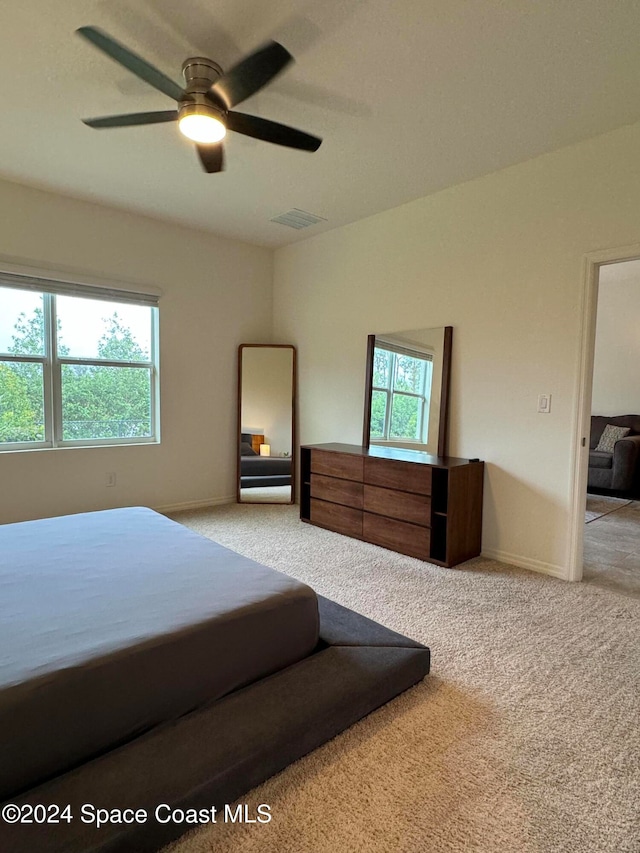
(294, 386)
(443, 424)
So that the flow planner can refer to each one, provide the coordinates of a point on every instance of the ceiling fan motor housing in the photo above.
(200, 74)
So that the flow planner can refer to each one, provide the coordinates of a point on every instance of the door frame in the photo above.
(582, 417)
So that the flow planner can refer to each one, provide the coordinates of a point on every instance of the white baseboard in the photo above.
(195, 504)
(526, 563)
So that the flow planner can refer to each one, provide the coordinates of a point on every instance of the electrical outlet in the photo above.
(110, 478)
(544, 404)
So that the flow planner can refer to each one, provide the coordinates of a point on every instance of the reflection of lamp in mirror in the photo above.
(265, 450)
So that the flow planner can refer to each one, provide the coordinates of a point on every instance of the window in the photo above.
(399, 399)
(78, 365)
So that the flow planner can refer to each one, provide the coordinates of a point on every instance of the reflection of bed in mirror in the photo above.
(266, 389)
(258, 471)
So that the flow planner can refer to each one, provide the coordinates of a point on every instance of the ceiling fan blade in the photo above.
(211, 157)
(252, 73)
(132, 119)
(139, 66)
(271, 131)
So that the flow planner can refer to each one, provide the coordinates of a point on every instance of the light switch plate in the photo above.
(544, 403)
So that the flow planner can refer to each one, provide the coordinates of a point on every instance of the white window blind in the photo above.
(86, 291)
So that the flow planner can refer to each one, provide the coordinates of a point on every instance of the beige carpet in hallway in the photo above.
(524, 739)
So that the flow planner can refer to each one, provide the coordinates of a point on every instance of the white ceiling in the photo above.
(409, 96)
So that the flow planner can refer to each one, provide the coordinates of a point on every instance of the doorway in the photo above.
(606, 543)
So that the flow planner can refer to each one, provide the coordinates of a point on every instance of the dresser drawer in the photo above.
(338, 491)
(399, 536)
(395, 504)
(337, 465)
(342, 519)
(407, 476)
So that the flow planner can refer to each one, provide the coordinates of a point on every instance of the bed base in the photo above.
(259, 482)
(216, 754)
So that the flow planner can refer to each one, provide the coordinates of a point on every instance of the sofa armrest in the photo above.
(626, 456)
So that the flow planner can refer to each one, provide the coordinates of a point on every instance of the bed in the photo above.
(142, 664)
(257, 471)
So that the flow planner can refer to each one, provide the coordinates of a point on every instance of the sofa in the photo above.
(616, 471)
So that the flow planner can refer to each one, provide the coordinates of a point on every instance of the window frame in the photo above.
(389, 391)
(52, 363)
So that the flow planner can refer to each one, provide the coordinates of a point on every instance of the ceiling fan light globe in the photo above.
(204, 129)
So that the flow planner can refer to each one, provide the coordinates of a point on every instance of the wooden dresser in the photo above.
(429, 507)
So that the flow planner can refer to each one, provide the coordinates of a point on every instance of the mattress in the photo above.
(114, 622)
(265, 466)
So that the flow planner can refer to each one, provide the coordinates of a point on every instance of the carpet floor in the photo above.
(524, 739)
(266, 495)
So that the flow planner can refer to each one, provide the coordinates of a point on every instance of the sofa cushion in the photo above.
(610, 435)
(599, 422)
(600, 459)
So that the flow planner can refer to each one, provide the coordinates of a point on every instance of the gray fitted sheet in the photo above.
(113, 622)
(265, 466)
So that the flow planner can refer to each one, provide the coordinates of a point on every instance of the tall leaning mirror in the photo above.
(266, 423)
(407, 389)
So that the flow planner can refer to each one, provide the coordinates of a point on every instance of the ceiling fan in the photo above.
(204, 111)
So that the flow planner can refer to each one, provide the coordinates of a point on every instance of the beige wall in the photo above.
(216, 295)
(501, 259)
(616, 380)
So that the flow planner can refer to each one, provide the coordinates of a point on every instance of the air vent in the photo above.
(297, 219)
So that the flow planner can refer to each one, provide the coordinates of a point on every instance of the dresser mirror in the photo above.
(266, 423)
(407, 390)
